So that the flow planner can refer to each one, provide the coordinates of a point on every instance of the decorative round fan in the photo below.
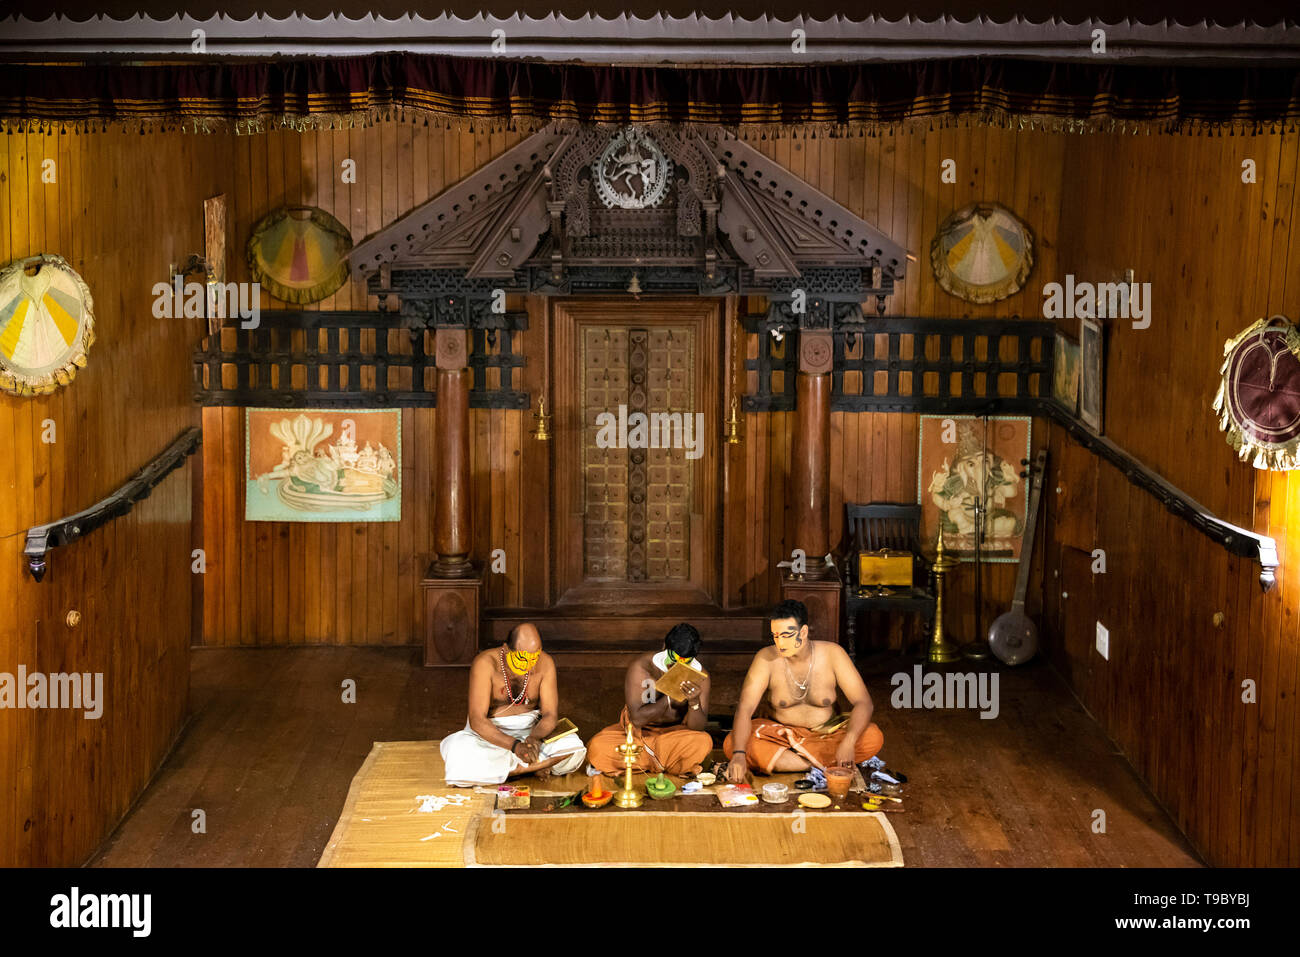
(47, 324)
(299, 254)
(982, 253)
(1259, 396)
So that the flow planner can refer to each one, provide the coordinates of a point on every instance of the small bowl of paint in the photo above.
(706, 779)
(775, 793)
(660, 787)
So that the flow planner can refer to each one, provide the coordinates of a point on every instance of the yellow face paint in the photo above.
(521, 662)
(673, 657)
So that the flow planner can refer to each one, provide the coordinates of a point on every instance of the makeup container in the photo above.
(775, 793)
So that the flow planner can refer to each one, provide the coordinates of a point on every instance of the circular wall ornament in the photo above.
(632, 172)
(47, 325)
(299, 254)
(982, 253)
(1259, 394)
(815, 352)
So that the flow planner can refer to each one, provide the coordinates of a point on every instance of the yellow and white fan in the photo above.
(46, 325)
(982, 253)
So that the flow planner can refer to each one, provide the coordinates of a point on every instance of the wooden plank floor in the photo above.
(271, 749)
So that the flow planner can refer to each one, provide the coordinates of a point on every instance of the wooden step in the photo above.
(715, 660)
(603, 629)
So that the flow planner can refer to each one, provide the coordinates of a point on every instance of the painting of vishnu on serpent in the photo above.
(323, 465)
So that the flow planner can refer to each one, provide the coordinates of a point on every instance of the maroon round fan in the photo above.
(1259, 396)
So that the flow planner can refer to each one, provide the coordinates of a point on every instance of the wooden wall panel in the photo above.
(339, 571)
(893, 180)
(1219, 254)
(345, 583)
(120, 210)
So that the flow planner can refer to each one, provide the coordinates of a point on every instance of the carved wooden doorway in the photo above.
(638, 394)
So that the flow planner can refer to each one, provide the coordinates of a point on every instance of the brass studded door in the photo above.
(637, 397)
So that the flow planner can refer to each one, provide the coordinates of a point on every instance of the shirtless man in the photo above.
(672, 732)
(800, 678)
(513, 706)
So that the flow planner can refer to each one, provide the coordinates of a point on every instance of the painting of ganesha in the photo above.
(969, 476)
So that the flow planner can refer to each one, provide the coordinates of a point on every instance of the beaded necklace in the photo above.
(807, 678)
(506, 675)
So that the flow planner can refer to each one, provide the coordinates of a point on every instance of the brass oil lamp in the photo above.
(941, 650)
(733, 422)
(543, 431)
(628, 796)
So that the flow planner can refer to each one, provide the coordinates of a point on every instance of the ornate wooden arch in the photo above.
(733, 221)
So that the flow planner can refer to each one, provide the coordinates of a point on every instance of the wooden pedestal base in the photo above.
(451, 620)
(822, 596)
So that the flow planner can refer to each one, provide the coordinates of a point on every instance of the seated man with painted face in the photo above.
(672, 732)
(800, 679)
(513, 706)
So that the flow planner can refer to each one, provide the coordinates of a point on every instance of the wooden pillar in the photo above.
(819, 586)
(810, 466)
(452, 493)
(453, 586)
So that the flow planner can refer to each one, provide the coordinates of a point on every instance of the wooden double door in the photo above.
(639, 422)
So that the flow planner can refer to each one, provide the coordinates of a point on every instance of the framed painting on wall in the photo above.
(966, 460)
(323, 465)
(1065, 373)
(1092, 361)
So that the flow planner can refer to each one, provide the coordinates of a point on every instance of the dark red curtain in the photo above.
(311, 91)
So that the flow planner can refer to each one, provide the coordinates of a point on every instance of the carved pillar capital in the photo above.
(451, 349)
(816, 352)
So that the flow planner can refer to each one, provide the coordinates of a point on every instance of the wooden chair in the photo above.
(872, 527)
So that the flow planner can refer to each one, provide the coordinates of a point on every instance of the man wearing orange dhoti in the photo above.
(672, 732)
(801, 678)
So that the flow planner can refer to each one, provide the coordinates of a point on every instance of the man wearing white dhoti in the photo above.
(513, 707)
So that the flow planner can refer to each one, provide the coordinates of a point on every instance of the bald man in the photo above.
(513, 705)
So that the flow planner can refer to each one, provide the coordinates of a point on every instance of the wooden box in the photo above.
(885, 567)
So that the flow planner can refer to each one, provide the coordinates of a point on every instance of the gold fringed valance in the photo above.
(494, 95)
